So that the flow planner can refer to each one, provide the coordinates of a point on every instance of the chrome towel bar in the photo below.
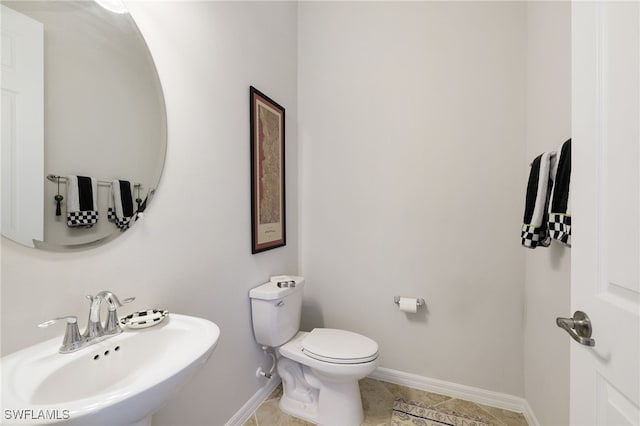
(56, 178)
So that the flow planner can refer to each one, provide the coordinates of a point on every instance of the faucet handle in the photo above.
(72, 340)
(112, 326)
(113, 300)
(71, 319)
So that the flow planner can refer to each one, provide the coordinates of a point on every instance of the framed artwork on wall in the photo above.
(268, 222)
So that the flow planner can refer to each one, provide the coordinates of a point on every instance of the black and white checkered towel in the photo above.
(82, 201)
(560, 207)
(534, 231)
(121, 211)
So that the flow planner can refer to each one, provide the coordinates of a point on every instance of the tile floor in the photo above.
(377, 401)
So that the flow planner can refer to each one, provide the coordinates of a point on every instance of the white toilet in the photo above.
(319, 369)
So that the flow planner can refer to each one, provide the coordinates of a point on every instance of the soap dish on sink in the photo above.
(144, 319)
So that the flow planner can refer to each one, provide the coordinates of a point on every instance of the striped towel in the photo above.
(82, 201)
(560, 208)
(534, 230)
(121, 211)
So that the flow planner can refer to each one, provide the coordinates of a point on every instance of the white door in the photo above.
(22, 127)
(605, 253)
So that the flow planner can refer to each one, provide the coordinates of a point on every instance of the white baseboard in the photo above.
(454, 390)
(254, 402)
(529, 416)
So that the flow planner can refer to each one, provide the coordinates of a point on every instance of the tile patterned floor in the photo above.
(377, 400)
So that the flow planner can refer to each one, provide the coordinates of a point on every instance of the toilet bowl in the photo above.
(319, 369)
(321, 385)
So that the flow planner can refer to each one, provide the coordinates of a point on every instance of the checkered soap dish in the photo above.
(144, 319)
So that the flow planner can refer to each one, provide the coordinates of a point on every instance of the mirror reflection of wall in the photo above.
(104, 113)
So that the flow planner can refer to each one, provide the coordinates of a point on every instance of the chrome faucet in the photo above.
(95, 330)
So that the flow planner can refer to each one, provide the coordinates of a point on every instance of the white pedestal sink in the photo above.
(120, 381)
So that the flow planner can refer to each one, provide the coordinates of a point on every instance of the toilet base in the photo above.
(323, 402)
(337, 407)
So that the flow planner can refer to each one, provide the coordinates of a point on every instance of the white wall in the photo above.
(192, 252)
(547, 271)
(411, 126)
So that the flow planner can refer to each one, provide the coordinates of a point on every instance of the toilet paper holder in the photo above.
(419, 301)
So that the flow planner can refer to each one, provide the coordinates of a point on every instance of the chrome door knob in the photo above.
(578, 327)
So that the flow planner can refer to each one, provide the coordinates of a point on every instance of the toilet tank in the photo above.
(275, 310)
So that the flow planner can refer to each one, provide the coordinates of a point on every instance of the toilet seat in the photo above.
(339, 346)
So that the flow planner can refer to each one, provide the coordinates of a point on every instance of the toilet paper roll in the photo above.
(408, 304)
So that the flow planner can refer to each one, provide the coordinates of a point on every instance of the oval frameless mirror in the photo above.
(80, 97)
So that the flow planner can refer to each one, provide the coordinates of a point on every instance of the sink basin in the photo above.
(122, 380)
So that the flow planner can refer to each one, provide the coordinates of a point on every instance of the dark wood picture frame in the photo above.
(268, 218)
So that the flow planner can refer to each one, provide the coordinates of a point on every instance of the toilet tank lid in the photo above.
(278, 287)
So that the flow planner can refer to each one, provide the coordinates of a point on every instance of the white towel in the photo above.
(534, 229)
(560, 205)
(121, 209)
(82, 201)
